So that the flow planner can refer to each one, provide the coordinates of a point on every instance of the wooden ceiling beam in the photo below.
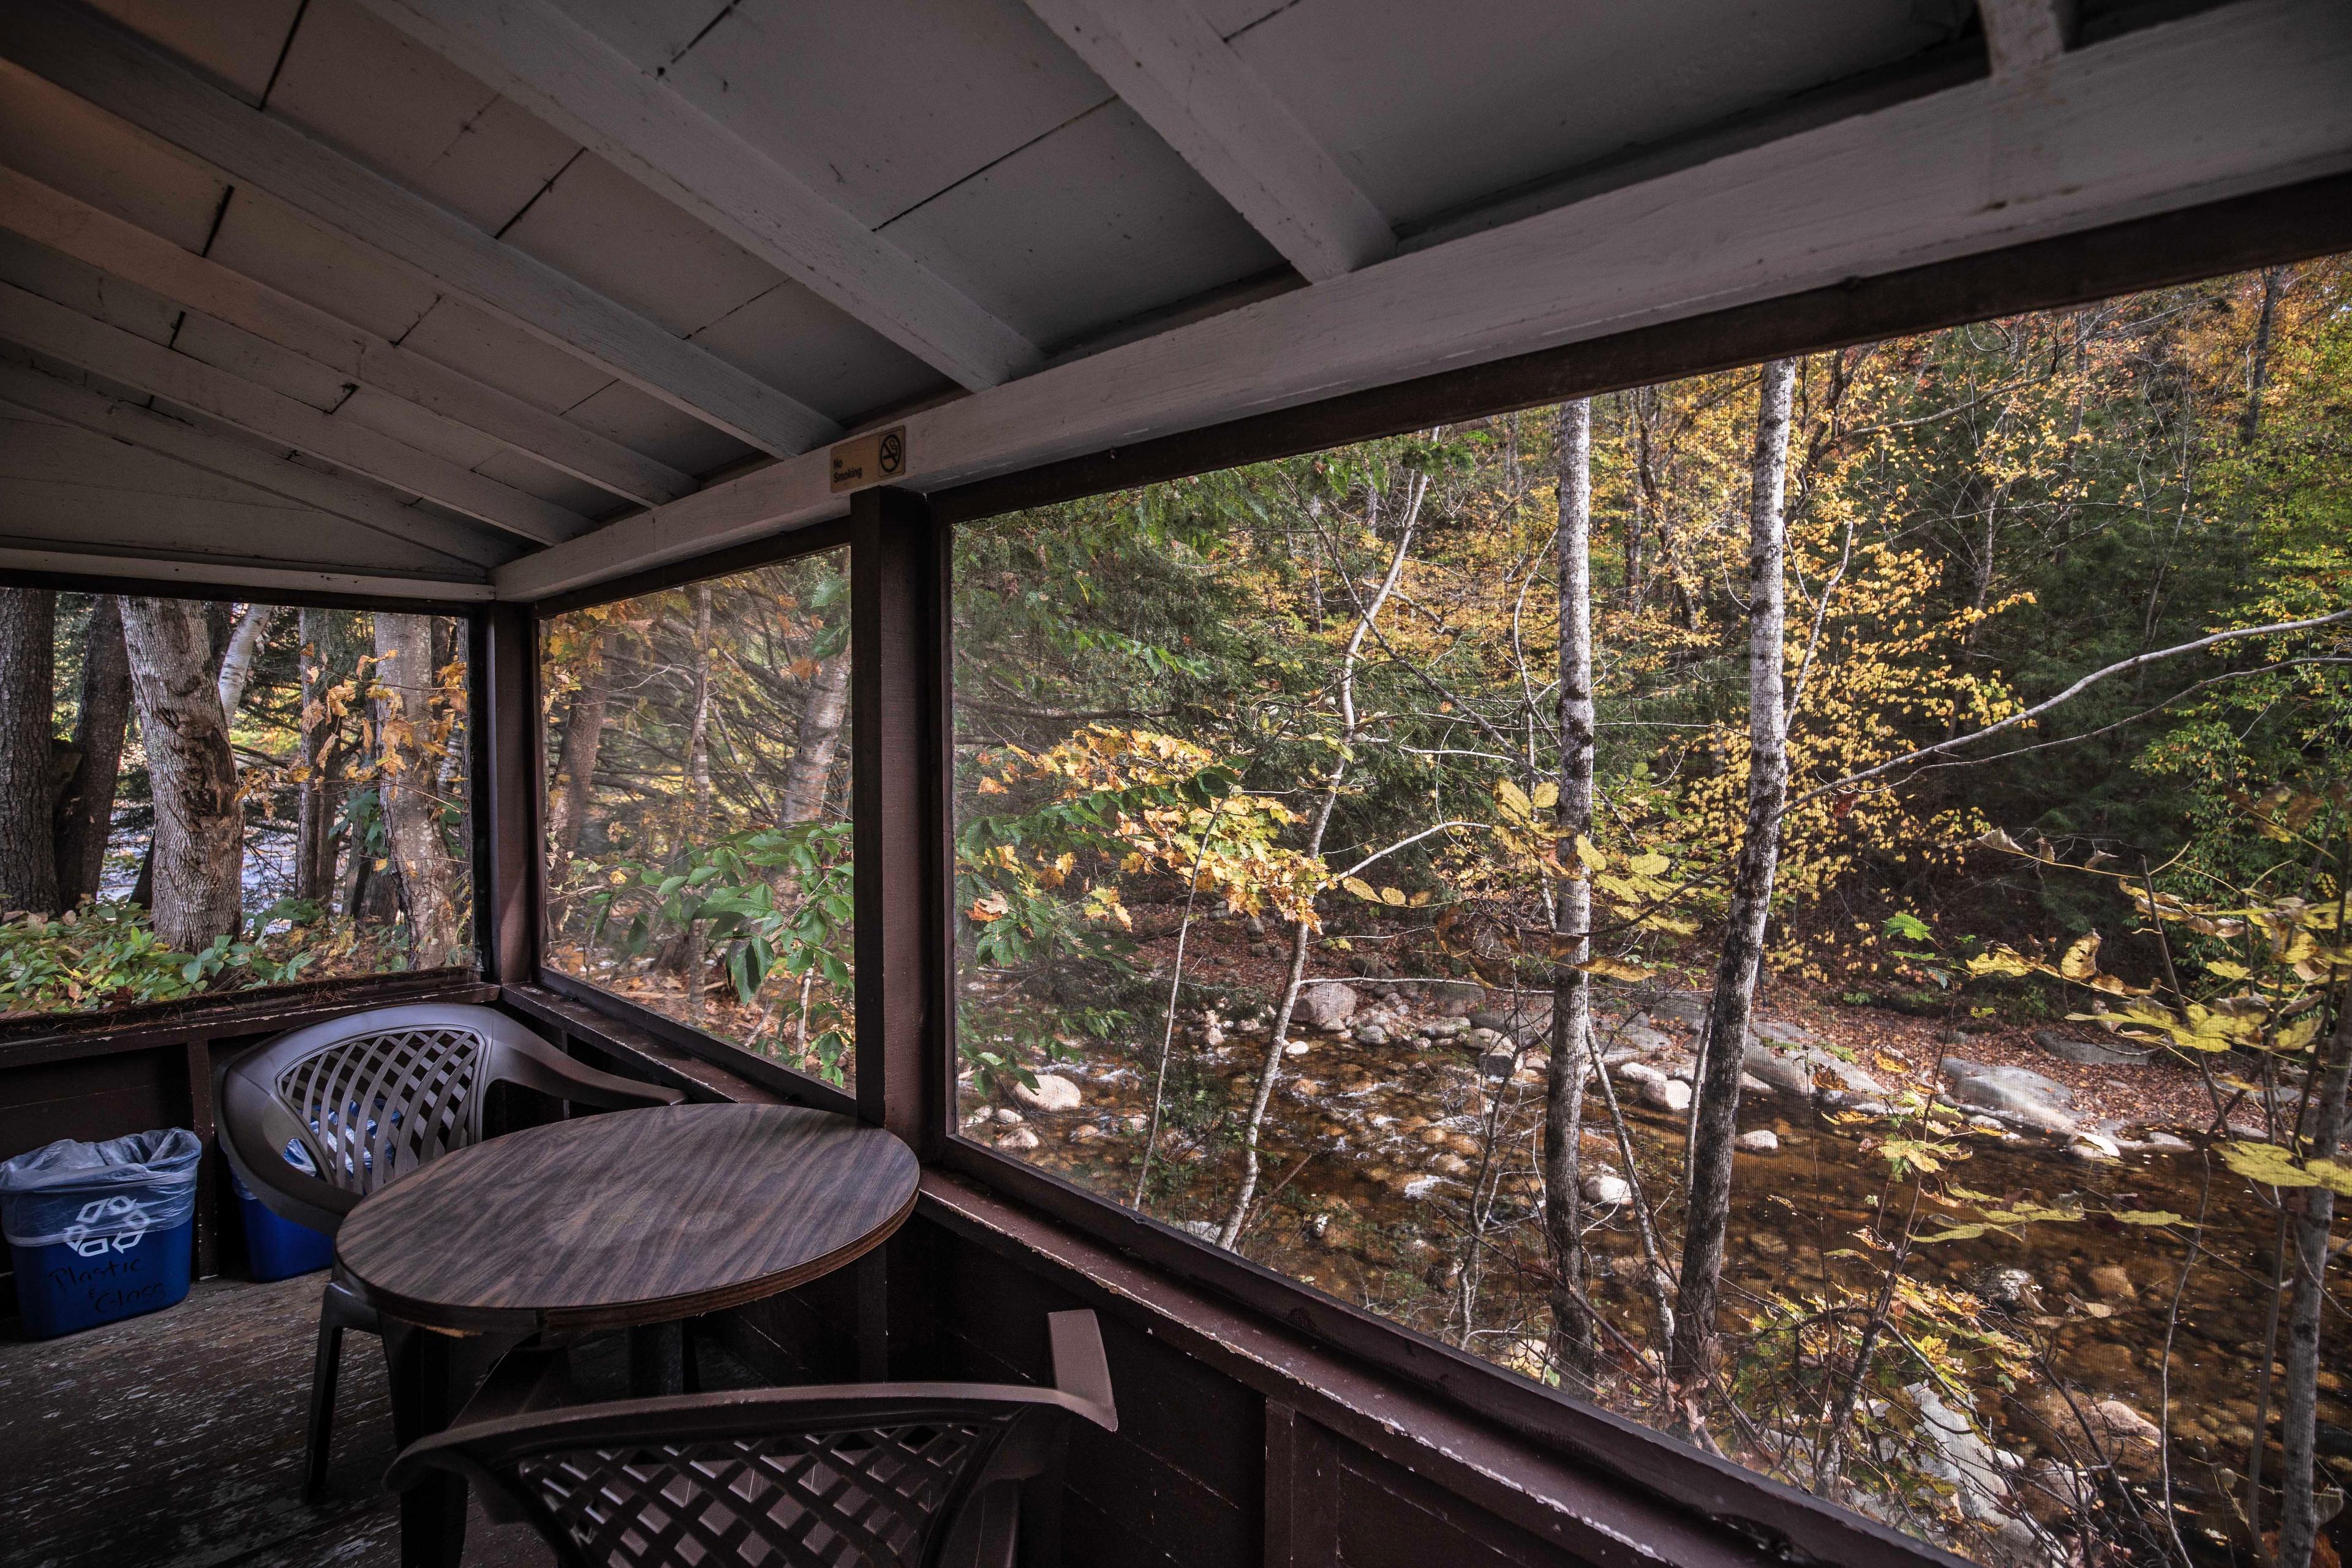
(244, 576)
(48, 328)
(1165, 59)
(2022, 34)
(2240, 98)
(127, 251)
(157, 432)
(108, 66)
(541, 57)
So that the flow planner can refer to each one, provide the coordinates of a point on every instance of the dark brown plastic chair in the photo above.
(883, 1474)
(371, 1098)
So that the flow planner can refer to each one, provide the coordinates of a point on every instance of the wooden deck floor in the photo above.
(174, 1440)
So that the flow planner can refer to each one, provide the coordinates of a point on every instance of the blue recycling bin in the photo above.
(100, 1232)
(275, 1247)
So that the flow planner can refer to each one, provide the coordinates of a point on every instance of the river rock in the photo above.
(2110, 1283)
(1643, 1038)
(1793, 1073)
(1606, 1188)
(1372, 1035)
(1762, 1140)
(1496, 1065)
(1779, 1032)
(2014, 1289)
(1638, 1073)
(1977, 1470)
(1679, 1007)
(2012, 1102)
(1328, 1004)
(1417, 1188)
(1007, 1115)
(1020, 1139)
(1670, 1094)
(1956, 1068)
(1087, 1132)
(2093, 1146)
(2088, 1053)
(1052, 1092)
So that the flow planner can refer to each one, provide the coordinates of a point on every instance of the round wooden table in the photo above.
(636, 1219)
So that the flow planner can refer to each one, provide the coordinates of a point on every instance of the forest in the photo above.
(199, 796)
(1804, 905)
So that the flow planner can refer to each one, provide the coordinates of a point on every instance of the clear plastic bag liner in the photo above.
(100, 1197)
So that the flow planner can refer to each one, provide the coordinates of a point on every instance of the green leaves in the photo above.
(2274, 1165)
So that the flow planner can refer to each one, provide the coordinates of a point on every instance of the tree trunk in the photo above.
(28, 870)
(236, 659)
(86, 814)
(2298, 1417)
(1571, 1003)
(199, 845)
(575, 760)
(314, 846)
(1724, 1038)
(405, 785)
(1369, 614)
(811, 771)
(2258, 372)
(697, 769)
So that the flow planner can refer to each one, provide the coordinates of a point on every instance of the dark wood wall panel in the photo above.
(93, 1098)
(1387, 1517)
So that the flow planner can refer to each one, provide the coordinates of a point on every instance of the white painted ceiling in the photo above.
(983, 151)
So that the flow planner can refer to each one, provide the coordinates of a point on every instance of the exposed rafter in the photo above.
(129, 252)
(48, 328)
(247, 577)
(200, 448)
(539, 57)
(2021, 33)
(2145, 124)
(109, 67)
(1168, 63)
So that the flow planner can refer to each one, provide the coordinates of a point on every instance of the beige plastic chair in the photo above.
(367, 1099)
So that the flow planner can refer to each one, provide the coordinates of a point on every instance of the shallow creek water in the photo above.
(1374, 1153)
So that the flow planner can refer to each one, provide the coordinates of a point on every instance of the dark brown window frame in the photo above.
(2269, 228)
(522, 692)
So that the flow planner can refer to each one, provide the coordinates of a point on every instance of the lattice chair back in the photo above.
(872, 1475)
(317, 1119)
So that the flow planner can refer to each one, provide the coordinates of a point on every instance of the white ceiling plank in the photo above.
(247, 578)
(2022, 34)
(2239, 99)
(1168, 62)
(129, 252)
(200, 448)
(592, 92)
(112, 68)
(48, 328)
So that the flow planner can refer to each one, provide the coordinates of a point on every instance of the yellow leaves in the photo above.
(990, 785)
(2274, 1166)
(1616, 969)
(1103, 903)
(2081, 962)
(989, 907)
(1514, 801)
(1648, 864)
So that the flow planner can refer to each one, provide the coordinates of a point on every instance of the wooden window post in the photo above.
(897, 701)
(506, 847)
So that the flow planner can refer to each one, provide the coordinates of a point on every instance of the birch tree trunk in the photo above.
(1366, 617)
(86, 814)
(697, 768)
(236, 659)
(1571, 1003)
(198, 848)
(1715, 1121)
(405, 787)
(28, 870)
(2310, 1232)
(811, 770)
(2258, 372)
(575, 760)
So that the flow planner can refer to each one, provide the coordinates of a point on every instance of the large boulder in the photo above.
(1328, 1004)
(2088, 1053)
(2012, 1101)
(1799, 1073)
(2025, 1080)
(1668, 1094)
(1053, 1092)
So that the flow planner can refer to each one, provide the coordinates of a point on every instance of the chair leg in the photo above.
(339, 1308)
(322, 1406)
